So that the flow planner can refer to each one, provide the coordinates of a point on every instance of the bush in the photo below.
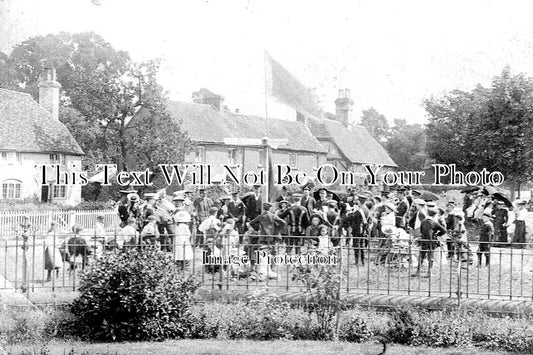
(137, 295)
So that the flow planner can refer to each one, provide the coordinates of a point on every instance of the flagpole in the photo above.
(266, 93)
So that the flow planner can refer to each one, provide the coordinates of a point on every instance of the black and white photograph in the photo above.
(266, 177)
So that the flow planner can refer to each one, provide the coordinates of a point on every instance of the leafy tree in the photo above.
(485, 128)
(102, 89)
(376, 124)
(406, 145)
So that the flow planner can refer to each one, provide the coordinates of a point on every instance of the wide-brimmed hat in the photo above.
(182, 217)
(127, 191)
(457, 213)
(419, 201)
(317, 215)
(390, 206)
(266, 205)
(150, 195)
(178, 198)
(521, 202)
(133, 197)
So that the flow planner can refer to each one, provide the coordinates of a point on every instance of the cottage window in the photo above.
(200, 155)
(231, 156)
(18, 157)
(4, 156)
(59, 191)
(11, 189)
(57, 159)
(293, 160)
(317, 160)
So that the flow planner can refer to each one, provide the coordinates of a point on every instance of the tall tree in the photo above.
(376, 124)
(407, 145)
(486, 128)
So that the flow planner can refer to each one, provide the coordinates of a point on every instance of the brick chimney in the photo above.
(343, 107)
(49, 92)
(206, 97)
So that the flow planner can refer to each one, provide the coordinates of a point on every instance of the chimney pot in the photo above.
(49, 93)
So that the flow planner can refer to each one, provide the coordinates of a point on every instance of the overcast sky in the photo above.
(391, 54)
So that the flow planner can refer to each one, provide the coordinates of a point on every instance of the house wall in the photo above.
(26, 171)
(251, 157)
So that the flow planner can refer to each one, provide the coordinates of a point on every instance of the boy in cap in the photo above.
(298, 220)
(77, 246)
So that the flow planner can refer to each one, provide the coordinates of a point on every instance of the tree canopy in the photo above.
(486, 127)
(376, 124)
(102, 89)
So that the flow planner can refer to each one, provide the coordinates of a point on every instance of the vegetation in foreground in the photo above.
(138, 296)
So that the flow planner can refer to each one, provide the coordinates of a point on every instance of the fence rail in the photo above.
(388, 268)
(40, 221)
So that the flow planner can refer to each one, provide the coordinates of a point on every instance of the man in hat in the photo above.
(519, 238)
(430, 230)
(148, 209)
(268, 223)
(322, 203)
(237, 210)
(202, 205)
(253, 203)
(123, 207)
(133, 206)
(307, 201)
(298, 220)
(210, 226)
(486, 237)
(333, 217)
(417, 217)
(283, 206)
(356, 220)
(402, 209)
(501, 218)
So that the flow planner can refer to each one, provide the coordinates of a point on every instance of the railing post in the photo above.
(25, 229)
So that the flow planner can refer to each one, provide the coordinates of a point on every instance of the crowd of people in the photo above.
(399, 226)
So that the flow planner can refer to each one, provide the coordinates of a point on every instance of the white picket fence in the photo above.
(40, 221)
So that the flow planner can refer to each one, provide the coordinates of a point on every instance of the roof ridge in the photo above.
(15, 92)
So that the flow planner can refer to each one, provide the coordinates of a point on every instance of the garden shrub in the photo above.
(402, 325)
(136, 295)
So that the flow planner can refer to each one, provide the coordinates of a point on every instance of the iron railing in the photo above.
(390, 266)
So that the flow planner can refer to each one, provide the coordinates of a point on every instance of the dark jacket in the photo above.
(298, 219)
(268, 223)
(430, 230)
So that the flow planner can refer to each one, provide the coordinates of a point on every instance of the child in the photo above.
(211, 225)
(128, 236)
(486, 237)
(52, 255)
(77, 246)
(324, 242)
(150, 233)
(460, 240)
(183, 252)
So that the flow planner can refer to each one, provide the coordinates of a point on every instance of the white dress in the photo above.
(182, 242)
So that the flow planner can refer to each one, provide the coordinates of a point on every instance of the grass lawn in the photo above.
(222, 347)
